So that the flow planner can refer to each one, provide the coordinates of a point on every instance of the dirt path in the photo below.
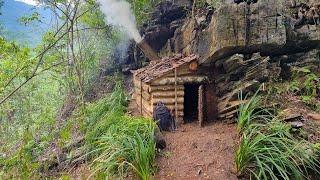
(199, 153)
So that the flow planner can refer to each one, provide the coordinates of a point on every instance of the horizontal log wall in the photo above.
(145, 104)
(167, 97)
(163, 89)
(137, 85)
(180, 80)
(142, 97)
(166, 94)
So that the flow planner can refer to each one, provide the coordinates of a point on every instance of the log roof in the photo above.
(157, 69)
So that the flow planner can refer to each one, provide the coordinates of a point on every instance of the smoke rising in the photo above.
(119, 13)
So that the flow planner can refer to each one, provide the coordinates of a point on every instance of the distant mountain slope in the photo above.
(14, 30)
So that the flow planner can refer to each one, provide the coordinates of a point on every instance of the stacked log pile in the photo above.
(240, 75)
(237, 74)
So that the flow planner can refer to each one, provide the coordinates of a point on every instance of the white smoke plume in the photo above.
(119, 13)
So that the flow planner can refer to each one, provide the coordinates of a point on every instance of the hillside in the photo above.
(165, 89)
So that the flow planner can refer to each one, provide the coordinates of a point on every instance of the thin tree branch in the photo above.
(40, 56)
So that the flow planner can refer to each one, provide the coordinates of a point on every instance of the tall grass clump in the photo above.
(268, 150)
(119, 145)
(100, 114)
(251, 111)
(126, 146)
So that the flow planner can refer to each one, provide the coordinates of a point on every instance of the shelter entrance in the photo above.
(191, 99)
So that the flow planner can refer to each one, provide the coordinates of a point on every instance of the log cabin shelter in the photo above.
(181, 84)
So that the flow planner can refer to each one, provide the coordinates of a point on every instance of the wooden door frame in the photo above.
(200, 104)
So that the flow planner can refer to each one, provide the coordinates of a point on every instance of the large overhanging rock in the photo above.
(166, 18)
(267, 26)
(307, 32)
(245, 28)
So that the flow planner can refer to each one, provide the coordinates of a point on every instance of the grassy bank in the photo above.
(115, 145)
(268, 149)
(119, 145)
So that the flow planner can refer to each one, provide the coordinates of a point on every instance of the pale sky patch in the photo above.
(29, 2)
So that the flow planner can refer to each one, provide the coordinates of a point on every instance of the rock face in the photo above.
(240, 74)
(247, 44)
(264, 27)
(167, 17)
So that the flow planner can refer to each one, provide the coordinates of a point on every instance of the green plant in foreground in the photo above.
(250, 111)
(306, 84)
(270, 156)
(118, 144)
(267, 150)
(127, 145)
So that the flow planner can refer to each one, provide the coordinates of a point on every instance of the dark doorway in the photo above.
(191, 102)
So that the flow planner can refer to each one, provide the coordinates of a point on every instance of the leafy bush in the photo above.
(304, 83)
(119, 144)
(268, 150)
(21, 164)
(142, 9)
(25, 136)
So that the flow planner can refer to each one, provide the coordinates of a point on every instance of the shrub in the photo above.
(267, 150)
(119, 144)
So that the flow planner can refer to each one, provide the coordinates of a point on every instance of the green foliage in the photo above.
(14, 59)
(142, 9)
(126, 145)
(215, 3)
(271, 156)
(94, 17)
(118, 143)
(27, 127)
(97, 114)
(250, 111)
(22, 161)
(311, 85)
(268, 150)
(65, 133)
(294, 86)
(304, 82)
(317, 148)
(201, 4)
(49, 75)
(35, 16)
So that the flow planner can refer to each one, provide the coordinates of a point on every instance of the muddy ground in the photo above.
(199, 153)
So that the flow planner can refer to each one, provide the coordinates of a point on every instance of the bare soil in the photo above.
(295, 105)
(195, 152)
